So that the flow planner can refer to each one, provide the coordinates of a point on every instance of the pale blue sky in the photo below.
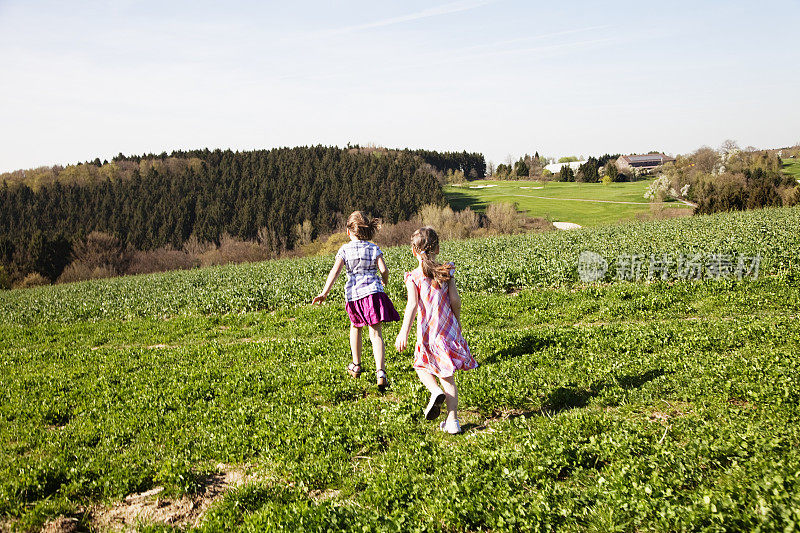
(87, 79)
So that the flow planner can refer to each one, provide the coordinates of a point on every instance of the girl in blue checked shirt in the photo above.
(367, 303)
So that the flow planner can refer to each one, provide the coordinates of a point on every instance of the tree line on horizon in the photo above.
(152, 201)
(533, 167)
(138, 214)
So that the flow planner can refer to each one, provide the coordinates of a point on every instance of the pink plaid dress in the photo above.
(440, 349)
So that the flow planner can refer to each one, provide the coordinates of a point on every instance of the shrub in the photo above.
(660, 190)
(80, 271)
(327, 244)
(333, 243)
(161, 260)
(435, 216)
(103, 251)
(503, 217)
(449, 224)
(303, 233)
(462, 224)
(75, 271)
(34, 279)
(536, 224)
(195, 247)
(455, 177)
(790, 195)
(397, 234)
(233, 250)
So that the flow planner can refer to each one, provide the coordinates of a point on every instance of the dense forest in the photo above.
(152, 201)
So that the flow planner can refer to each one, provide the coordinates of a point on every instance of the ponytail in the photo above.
(438, 272)
(362, 226)
(425, 242)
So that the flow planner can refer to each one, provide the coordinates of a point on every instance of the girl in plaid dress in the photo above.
(367, 303)
(440, 348)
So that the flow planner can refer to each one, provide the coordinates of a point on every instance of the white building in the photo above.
(555, 168)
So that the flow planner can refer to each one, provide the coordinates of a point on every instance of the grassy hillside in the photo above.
(615, 406)
(587, 204)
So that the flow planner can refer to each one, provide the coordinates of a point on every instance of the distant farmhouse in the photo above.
(642, 163)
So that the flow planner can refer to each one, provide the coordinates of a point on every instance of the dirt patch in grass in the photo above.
(324, 495)
(62, 524)
(473, 422)
(510, 414)
(153, 507)
(670, 410)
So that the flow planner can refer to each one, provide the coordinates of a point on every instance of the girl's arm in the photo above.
(408, 317)
(383, 269)
(334, 273)
(455, 298)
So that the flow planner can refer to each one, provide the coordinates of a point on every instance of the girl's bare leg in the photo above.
(428, 380)
(378, 348)
(451, 396)
(355, 343)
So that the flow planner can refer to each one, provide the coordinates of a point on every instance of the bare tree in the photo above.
(705, 159)
(729, 146)
(303, 232)
(103, 251)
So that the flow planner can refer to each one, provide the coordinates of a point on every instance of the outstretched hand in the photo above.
(319, 299)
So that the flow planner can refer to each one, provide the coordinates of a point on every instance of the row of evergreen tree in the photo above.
(590, 171)
(256, 194)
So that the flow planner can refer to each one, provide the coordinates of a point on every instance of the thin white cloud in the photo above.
(466, 54)
(534, 37)
(444, 9)
(536, 49)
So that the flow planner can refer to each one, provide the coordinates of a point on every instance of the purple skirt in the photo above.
(371, 310)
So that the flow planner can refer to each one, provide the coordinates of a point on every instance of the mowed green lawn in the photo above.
(587, 204)
(792, 167)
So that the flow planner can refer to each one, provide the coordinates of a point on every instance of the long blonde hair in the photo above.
(362, 226)
(425, 242)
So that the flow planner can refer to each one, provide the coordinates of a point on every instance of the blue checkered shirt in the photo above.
(360, 259)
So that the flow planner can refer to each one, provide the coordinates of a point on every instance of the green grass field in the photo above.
(617, 406)
(562, 202)
(792, 167)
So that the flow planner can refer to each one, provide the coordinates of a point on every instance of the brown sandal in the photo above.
(354, 370)
(380, 376)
